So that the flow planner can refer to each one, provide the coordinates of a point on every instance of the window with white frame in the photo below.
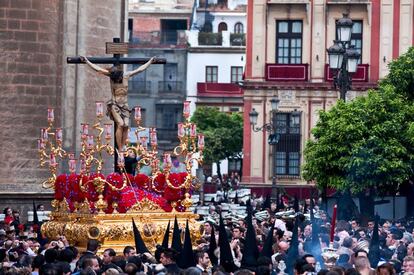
(288, 41)
(236, 74)
(212, 74)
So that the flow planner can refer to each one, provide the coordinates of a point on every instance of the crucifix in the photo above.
(117, 106)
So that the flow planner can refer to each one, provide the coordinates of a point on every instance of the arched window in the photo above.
(222, 27)
(238, 28)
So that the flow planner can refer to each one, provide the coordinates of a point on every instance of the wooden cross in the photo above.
(117, 49)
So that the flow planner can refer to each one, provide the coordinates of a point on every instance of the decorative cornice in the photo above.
(269, 85)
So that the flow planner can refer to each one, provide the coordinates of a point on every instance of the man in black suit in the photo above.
(203, 261)
(168, 259)
(91, 248)
(129, 251)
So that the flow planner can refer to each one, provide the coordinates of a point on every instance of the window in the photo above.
(222, 27)
(139, 83)
(238, 28)
(167, 116)
(287, 150)
(289, 42)
(356, 37)
(236, 74)
(211, 74)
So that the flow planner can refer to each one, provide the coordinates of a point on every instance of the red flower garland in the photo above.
(138, 188)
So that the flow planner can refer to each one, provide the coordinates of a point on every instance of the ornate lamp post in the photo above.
(343, 57)
(273, 138)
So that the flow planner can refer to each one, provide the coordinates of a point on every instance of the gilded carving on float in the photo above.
(90, 205)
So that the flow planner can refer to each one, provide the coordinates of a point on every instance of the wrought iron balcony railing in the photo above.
(139, 87)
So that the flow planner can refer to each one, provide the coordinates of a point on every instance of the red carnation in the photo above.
(60, 187)
(141, 180)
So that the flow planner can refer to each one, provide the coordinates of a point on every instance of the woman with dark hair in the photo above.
(386, 269)
(8, 215)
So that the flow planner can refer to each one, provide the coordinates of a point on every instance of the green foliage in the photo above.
(223, 133)
(365, 143)
(401, 74)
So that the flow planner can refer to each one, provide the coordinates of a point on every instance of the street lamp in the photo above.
(343, 57)
(273, 138)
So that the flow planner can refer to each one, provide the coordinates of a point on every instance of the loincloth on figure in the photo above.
(122, 110)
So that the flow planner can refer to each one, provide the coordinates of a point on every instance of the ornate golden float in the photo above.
(90, 205)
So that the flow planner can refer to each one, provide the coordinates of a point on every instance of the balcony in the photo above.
(286, 72)
(158, 39)
(139, 87)
(361, 75)
(210, 89)
(210, 39)
(237, 39)
(170, 87)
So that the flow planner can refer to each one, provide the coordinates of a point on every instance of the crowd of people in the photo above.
(283, 241)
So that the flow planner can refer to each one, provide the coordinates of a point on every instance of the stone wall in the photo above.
(31, 65)
(35, 38)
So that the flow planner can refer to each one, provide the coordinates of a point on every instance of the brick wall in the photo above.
(35, 38)
(31, 66)
(146, 23)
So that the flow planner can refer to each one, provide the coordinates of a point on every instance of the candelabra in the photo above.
(187, 149)
(49, 149)
(91, 161)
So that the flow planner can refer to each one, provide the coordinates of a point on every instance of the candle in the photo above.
(108, 131)
(52, 159)
(43, 134)
(84, 129)
(50, 115)
(90, 141)
(167, 159)
(59, 134)
(181, 131)
(153, 136)
(333, 223)
(72, 165)
(144, 141)
(83, 166)
(200, 142)
(40, 144)
(186, 109)
(193, 130)
(99, 109)
(137, 115)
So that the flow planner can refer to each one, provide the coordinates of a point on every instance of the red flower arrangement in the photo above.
(141, 180)
(176, 180)
(138, 187)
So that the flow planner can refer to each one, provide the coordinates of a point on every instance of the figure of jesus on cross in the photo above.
(117, 106)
